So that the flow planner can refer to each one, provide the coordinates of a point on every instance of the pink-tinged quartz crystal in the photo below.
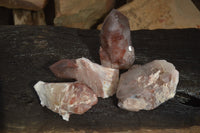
(102, 80)
(116, 49)
(66, 98)
(145, 87)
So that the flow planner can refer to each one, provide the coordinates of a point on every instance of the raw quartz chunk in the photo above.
(116, 49)
(146, 87)
(102, 80)
(66, 98)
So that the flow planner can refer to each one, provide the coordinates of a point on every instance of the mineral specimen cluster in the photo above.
(142, 87)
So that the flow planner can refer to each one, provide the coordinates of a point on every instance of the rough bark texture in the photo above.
(24, 4)
(161, 14)
(81, 13)
(28, 51)
(26, 17)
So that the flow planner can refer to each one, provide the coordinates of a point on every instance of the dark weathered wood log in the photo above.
(26, 53)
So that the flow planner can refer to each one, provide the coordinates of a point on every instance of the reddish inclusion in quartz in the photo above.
(116, 50)
(79, 98)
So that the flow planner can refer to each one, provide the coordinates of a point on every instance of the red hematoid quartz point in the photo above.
(116, 50)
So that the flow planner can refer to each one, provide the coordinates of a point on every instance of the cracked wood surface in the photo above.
(28, 51)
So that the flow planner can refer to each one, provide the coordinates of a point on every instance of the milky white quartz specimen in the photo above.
(102, 80)
(66, 98)
(145, 87)
(116, 49)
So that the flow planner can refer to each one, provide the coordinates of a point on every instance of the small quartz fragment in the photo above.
(102, 80)
(66, 98)
(145, 87)
(116, 49)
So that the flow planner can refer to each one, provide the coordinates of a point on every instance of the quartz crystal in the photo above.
(116, 49)
(102, 80)
(66, 98)
(145, 87)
